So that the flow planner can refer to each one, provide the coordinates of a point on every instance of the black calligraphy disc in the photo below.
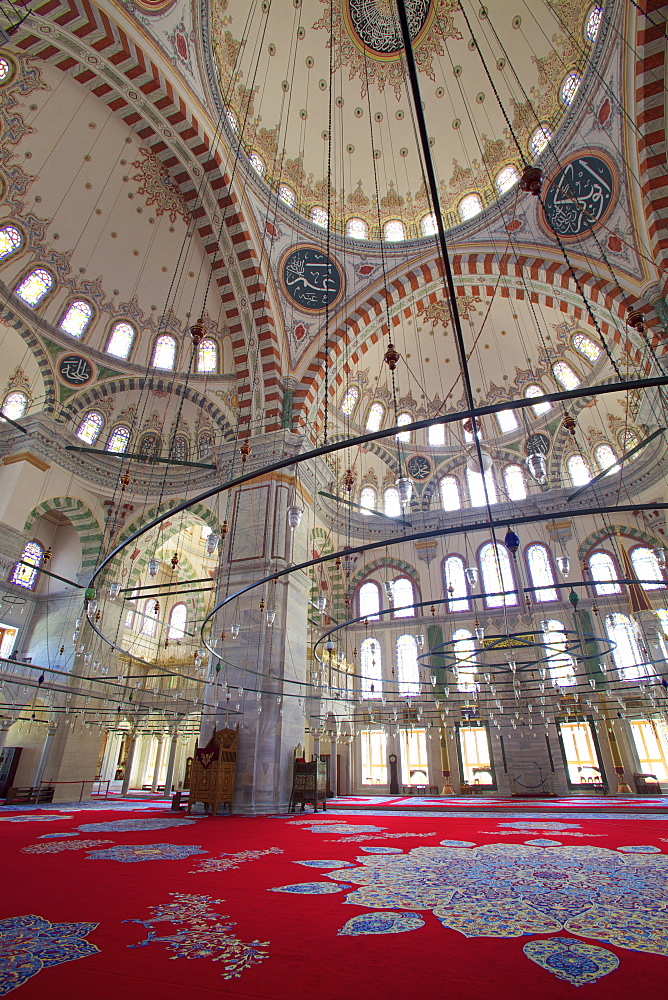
(418, 467)
(537, 443)
(579, 196)
(75, 370)
(311, 279)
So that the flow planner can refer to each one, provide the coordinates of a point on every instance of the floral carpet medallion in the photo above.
(35, 818)
(130, 825)
(326, 864)
(575, 961)
(311, 888)
(381, 923)
(56, 846)
(29, 944)
(146, 852)
(511, 890)
(228, 861)
(201, 933)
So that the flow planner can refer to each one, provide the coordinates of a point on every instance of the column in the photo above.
(129, 763)
(445, 764)
(171, 760)
(46, 750)
(333, 764)
(5, 726)
(158, 762)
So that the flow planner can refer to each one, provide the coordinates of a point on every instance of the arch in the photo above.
(83, 521)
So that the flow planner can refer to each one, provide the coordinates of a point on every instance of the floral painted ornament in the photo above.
(381, 923)
(30, 944)
(146, 852)
(130, 825)
(572, 960)
(310, 888)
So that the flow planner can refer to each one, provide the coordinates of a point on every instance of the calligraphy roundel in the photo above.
(311, 279)
(75, 370)
(579, 196)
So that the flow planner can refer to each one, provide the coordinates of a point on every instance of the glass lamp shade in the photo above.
(405, 488)
(211, 543)
(235, 628)
(471, 574)
(153, 567)
(660, 553)
(271, 617)
(330, 646)
(420, 640)
(479, 633)
(511, 541)
(474, 465)
(294, 517)
(92, 606)
(535, 463)
(321, 602)
(114, 590)
(563, 565)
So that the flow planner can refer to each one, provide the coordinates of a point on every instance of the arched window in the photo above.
(121, 339)
(177, 622)
(371, 668)
(436, 435)
(11, 240)
(627, 654)
(207, 356)
(560, 664)
(578, 470)
(468, 426)
(408, 671)
(286, 194)
(516, 487)
(151, 612)
(130, 615)
(319, 216)
(540, 573)
(403, 597)
(646, 568)
(428, 225)
(205, 444)
(257, 163)
(449, 489)
(402, 420)
(533, 391)
(629, 440)
(392, 502)
(26, 575)
(540, 138)
(374, 417)
(603, 574)
(164, 352)
(465, 660)
(118, 440)
(149, 445)
(606, 459)
(565, 376)
(89, 429)
(469, 207)
(593, 23)
(506, 178)
(586, 347)
(569, 88)
(181, 448)
(76, 318)
(394, 231)
(367, 499)
(350, 398)
(357, 229)
(15, 405)
(35, 286)
(369, 600)
(497, 576)
(455, 584)
(507, 421)
(476, 485)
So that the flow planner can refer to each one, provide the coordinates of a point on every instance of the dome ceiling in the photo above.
(273, 67)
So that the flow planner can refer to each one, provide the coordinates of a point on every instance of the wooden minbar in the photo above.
(309, 782)
(213, 769)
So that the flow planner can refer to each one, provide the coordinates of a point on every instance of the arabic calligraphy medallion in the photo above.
(580, 196)
(75, 370)
(311, 279)
(374, 23)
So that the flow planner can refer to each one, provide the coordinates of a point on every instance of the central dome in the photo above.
(374, 23)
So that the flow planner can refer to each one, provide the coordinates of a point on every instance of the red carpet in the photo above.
(610, 803)
(565, 907)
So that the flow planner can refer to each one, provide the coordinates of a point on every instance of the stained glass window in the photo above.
(367, 499)
(470, 206)
(578, 470)
(540, 139)
(593, 23)
(76, 318)
(5, 69)
(629, 440)
(164, 352)
(586, 347)
(89, 429)
(408, 671)
(205, 445)
(507, 421)
(369, 600)
(506, 178)
(130, 615)
(569, 88)
(319, 216)
(477, 484)
(151, 612)
(516, 487)
(177, 622)
(10, 241)
(391, 502)
(257, 163)
(436, 435)
(149, 446)
(449, 490)
(394, 231)
(121, 339)
(465, 659)
(34, 286)
(15, 405)
(286, 194)
(497, 576)
(374, 417)
(627, 654)
(540, 572)
(606, 459)
(371, 668)
(428, 224)
(646, 568)
(350, 398)
(181, 448)
(357, 229)
(402, 598)
(603, 574)
(402, 420)
(565, 375)
(560, 664)
(455, 584)
(26, 576)
(207, 356)
(118, 440)
(531, 392)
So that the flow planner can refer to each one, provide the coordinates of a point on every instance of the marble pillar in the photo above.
(129, 763)
(158, 762)
(171, 760)
(46, 752)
